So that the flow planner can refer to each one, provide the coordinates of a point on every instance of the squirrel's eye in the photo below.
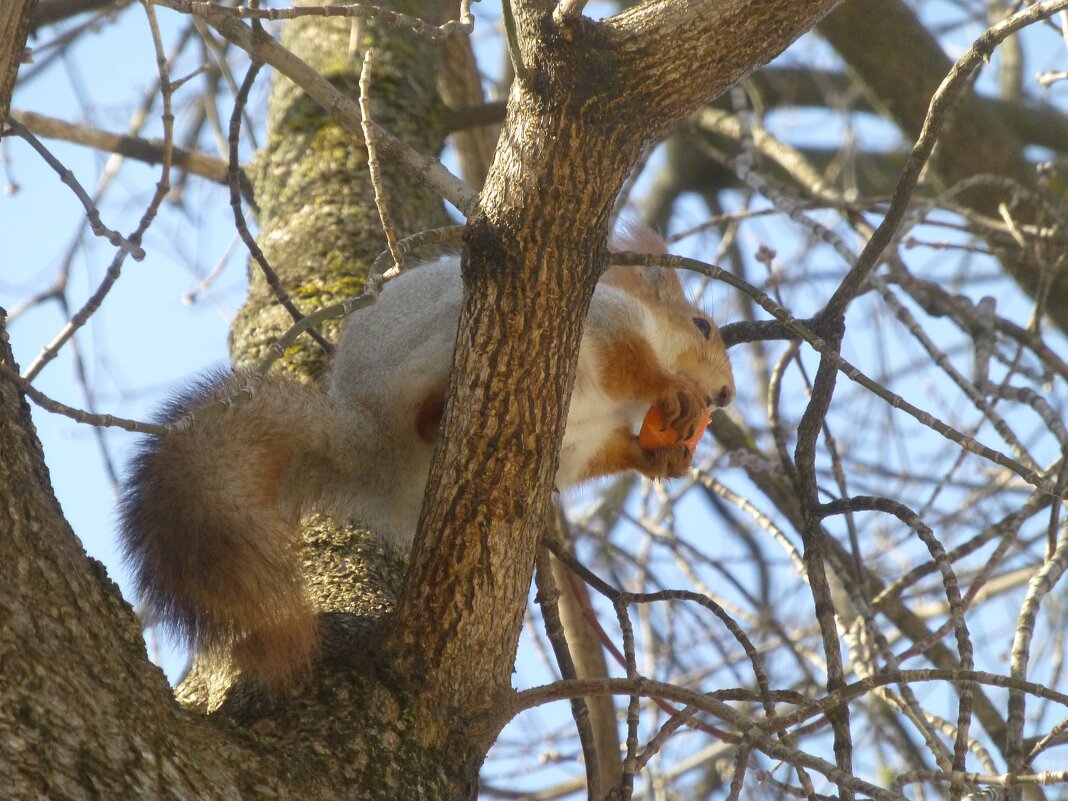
(703, 326)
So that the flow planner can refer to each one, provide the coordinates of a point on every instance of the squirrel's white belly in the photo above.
(591, 420)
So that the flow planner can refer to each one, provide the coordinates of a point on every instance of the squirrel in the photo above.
(210, 516)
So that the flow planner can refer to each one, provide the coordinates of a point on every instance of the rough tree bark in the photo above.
(407, 712)
(15, 19)
(530, 258)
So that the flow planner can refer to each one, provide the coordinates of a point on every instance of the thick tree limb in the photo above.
(15, 18)
(531, 262)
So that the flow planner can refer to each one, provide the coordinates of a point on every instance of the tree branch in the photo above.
(343, 109)
(699, 50)
(147, 150)
(15, 17)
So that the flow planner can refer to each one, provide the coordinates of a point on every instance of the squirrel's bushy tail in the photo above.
(210, 522)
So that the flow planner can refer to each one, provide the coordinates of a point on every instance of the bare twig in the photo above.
(548, 597)
(955, 84)
(344, 111)
(146, 150)
(79, 415)
(162, 187)
(824, 348)
(67, 177)
(568, 10)
(461, 27)
(239, 217)
(370, 140)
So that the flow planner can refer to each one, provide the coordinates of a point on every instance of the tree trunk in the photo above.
(15, 19)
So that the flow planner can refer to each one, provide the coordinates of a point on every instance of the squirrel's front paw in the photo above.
(684, 410)
(669, 462)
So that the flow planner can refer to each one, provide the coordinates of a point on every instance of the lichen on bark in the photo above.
(318, 224)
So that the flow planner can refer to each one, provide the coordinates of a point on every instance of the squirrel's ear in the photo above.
(637, 237)
(654, 282)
